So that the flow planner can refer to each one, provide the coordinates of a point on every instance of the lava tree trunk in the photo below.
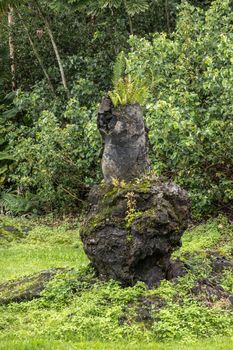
(125, 155)
(133, 226)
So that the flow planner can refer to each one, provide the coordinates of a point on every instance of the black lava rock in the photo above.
(125, 154)
(132, 229)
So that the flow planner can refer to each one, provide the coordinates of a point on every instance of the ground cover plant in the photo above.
(77, 310)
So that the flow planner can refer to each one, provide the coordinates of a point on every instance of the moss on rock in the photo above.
(26, 288)
(9, 234)
(135, 224)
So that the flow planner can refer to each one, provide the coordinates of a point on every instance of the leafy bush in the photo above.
(190, 76)
(56, 157)
(9, 115)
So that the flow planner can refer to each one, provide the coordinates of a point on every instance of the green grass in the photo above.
(214, 344)
(205, 236)
(80, 312)
(44, 247)
(24, 259)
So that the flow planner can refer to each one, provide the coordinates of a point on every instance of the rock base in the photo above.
(132, 229)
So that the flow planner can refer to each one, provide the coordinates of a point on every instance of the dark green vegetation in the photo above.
(49, 145)
(78, 311)
(57, 59)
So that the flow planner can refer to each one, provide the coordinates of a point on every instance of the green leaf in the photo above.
(6, 156)
(3, 169)
(119, 68)
(134, 7)
(11, 113)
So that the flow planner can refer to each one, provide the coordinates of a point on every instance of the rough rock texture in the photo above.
(26, 288)
(132, 229)
(125, 141)
(12, 233)
(142, 310)
(220, 264)
(210, 292)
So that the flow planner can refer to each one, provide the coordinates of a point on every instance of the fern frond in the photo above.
(14, 203)
(110, 3)
(119, 68)
(115, 98)
(136, 6)
(129, 91)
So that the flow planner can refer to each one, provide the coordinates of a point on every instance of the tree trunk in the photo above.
(167, 17)
(130, 20)
(135, 221)
(12, 49)
(123, 129)
(130, 25)
(50, 33)
(36, 53)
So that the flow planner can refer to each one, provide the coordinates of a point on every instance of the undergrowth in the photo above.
(83, 312)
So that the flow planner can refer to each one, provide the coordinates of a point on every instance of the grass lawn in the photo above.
(24, 259)
(77, 313)
(214, 344)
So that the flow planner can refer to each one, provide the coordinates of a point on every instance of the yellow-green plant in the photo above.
(127, 89)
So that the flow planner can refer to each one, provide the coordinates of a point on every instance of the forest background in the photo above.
(57, 61)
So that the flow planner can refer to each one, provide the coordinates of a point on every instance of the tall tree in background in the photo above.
(10, 16)
(132, 7)
(3, 58)
(6, 4)
(51, 36)
(36, 53)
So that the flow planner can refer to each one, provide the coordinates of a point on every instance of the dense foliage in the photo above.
(54, 161)
(190, 112)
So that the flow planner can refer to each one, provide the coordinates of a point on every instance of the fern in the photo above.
(134, 7)
(13, 203)
(129, 91)
(119, 68)
(110, 3)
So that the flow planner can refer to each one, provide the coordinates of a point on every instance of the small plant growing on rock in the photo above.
(127, 89)
(131, 209)
(118, 183)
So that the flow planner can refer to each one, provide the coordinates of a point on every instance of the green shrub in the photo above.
(190, 76)
(56, 156)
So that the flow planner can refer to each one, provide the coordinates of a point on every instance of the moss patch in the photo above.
(27, 288)
(113, 200)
